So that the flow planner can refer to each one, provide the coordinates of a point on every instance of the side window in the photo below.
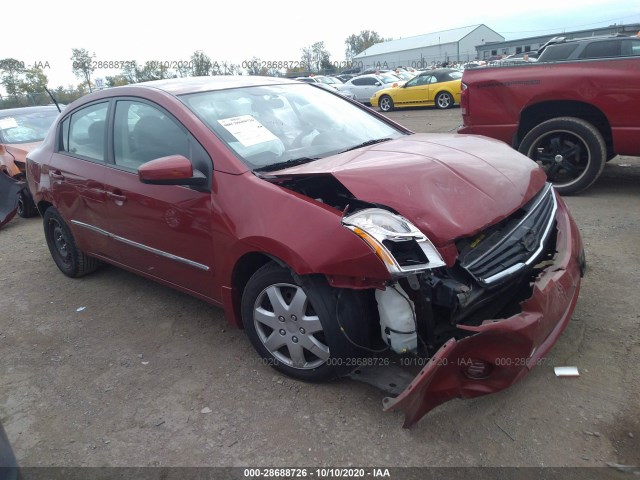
(413, 82)
(631, 48)
(84, 132)
(560, 51)
(610, 48)
(359, 81)
(143, 133)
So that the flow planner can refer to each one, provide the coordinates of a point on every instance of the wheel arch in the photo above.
(43, 205)
(534, 115)
(244, 268)
(447, 91)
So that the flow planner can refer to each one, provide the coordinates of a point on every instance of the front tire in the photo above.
(71, 261)
(291, 322)
(385, 103)
(444, 100)
(571, 151)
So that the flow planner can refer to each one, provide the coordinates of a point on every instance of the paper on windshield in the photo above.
(247, 130)
(8, 122)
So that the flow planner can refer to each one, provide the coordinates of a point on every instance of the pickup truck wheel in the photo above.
(444, 100)
(571, 151)
(292, 323)
(385, 103)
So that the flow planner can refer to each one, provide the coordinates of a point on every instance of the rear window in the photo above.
(631, 47)
(557, 52)
(608, 48)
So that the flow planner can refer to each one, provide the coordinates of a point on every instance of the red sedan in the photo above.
(336, 238)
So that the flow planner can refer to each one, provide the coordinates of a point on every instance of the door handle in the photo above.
(116, 197)
(56, 175)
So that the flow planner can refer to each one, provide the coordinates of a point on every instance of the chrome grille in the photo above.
(519, 243)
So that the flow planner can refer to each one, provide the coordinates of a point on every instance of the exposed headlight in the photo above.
(395, 240)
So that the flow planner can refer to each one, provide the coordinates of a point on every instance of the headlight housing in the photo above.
(396, 241)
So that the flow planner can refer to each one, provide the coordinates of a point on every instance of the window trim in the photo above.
(67, 117)
(109, 160)
(192, 138)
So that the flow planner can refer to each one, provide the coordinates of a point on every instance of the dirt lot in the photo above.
(115, 370)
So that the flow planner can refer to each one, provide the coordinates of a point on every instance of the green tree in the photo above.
(82, 65)
(201, 64)
(34, 81)
(12, 71)
(117, 80)
(307, 59)
(253, 67)
(153, 71)
(359, 43)
(227, 68)
(130, 72)
(320, 56)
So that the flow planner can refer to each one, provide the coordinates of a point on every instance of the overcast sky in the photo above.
(270, 30)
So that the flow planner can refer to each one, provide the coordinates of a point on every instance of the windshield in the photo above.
(26, 127)
(269, 125)
(389, 78)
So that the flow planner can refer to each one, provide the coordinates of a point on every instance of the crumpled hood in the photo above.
(448, 185)
(20, 150)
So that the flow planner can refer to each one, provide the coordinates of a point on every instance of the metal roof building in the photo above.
(455, 45)
(531, 44)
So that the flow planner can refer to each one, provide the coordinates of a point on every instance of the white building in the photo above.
(456, 45)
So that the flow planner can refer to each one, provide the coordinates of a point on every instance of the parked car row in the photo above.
(362, 86)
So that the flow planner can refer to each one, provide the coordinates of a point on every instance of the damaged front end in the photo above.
(483, 322)
(14, 194)
(10, 193)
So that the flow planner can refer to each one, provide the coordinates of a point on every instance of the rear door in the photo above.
(162, 231)
(76, 177)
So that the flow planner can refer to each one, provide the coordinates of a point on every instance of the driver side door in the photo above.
(415, 91)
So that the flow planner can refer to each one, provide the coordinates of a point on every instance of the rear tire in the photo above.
(444, 100)
(71, 261)
(571, 151)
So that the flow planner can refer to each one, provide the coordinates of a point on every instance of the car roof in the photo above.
(588, 39)
(438, 70)
(179, 86)
(563, 40)
(23, 110)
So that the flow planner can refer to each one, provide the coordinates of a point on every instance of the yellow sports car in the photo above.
(434, 87)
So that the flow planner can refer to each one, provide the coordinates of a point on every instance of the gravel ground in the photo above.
(116, 370)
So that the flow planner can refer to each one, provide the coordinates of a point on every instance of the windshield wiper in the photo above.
(289, 163)
(367, 143)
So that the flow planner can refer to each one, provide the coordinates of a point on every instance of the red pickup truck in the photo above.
(570, 117)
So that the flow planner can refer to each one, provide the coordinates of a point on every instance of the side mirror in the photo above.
(171, 170)
(378, 84)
